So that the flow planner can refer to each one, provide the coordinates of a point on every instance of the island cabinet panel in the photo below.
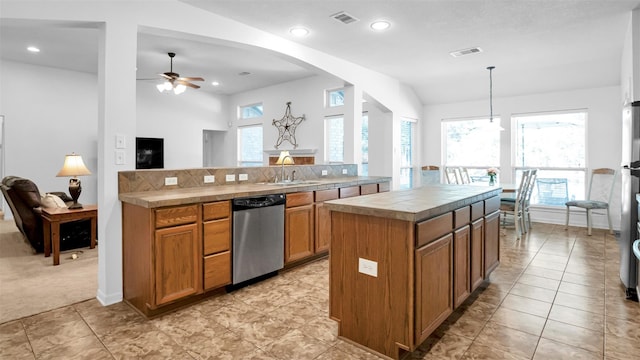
(477, 254)
(177, 258)
(298, 223)
(368, 189)
(461, 265)
(384, 187)
(323, 219)
(350, 191)
(432, 229)
(216, 236)
(491, 242)
(373, 310)
(434, 279)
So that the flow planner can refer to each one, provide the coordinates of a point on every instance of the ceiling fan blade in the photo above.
(186, 83)
(192, 78)
(168, 77)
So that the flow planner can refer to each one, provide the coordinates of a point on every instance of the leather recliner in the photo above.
(23, 198)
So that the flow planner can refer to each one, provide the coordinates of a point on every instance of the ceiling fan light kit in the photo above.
(174, 82)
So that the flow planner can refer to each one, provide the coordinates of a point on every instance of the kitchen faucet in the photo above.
(284, 161)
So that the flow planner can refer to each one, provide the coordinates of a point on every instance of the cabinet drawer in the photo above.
(351, 191)
(217, 270)
(491, 204)
(217, 236)
(461, 217)
(325, 195)
(216, 210)
(299, 199)
(432, 229)
(384, 187)
(477, 210)
(368, 189)
(176, 216)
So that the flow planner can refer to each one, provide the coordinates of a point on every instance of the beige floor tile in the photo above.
(449, 346)
(513, 319)
(479, 351)
(513, 341)
(549, 264)
(584, 280)
(573, 335)
(87, 347)
(620, 348)
(579, 302)
(355, 352)
(14, 343)
(526, 305)
(587, 320)
(533, 292)
(543, 272)
(538, 281)
(580, 290)
(624, 328)
(549, 349)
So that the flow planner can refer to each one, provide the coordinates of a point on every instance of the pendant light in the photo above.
(497, 123)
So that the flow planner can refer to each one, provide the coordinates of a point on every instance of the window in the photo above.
(473, 144)
(334, 139)
(250, 145)
(335, 98)
(407, 142)
(365, 145)
(250, 111)
(554, 143)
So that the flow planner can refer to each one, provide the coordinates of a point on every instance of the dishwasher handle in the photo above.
(258, 202)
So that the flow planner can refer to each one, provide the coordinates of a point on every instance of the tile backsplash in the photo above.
(151, 180)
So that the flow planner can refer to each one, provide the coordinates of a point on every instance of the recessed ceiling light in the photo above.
(380, 25)
(244, 73)
(299, 31)
(33, 49)
(215, 83)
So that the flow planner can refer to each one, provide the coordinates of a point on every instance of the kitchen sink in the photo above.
(291, 183)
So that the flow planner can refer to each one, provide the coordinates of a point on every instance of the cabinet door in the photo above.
(217, 270)
(434, 282)
(177, 266)
(461, 271)
(299, 233)
(323, 228)
(477, 256)
(216, 236)
(491, 242)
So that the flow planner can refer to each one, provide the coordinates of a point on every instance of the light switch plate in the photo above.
(344, 171)
(231, 177)
(171, 181)
(324, 172)
(243, 177)
(120, 157)
(209, 179)
(121, 142)
(368, 267)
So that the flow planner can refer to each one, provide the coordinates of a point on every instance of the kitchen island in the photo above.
(402, 261)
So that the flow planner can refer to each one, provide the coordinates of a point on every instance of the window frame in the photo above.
(327, 140)
(327, 96)
(241, 110)
(411, 167)
(248, 163)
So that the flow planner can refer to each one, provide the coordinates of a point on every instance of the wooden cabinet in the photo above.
(351, 191)
(299, 226)
(434, 279)
(491, 235)
(461, 256)
(216, 236)
(477, 254)
(322, 219)
(368, 189)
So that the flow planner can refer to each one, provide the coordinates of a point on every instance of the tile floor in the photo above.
(556, 295)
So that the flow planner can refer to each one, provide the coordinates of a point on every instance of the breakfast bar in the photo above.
(402, 261)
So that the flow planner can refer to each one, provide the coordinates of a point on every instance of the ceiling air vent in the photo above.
(463, 52)
(344, 18)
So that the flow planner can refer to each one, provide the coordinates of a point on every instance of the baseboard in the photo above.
(111, 299)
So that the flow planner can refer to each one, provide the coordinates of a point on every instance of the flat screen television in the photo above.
(149, 153)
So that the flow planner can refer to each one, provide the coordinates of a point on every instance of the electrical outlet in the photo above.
(324, 172)
(121, 141)
(243, 177)
(344, 172)
(368, 267)
(209, 179)
(120, 157)
(231, 177)
(171, 181)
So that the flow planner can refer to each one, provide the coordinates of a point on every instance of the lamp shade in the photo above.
(285, 158)
(73, 166)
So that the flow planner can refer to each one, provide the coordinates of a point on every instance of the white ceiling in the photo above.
(536, 46)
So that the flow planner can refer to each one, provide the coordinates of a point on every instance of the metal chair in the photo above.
(605, 179)
(464, 176)
(452, 175)
(526, 216)
(515, 208)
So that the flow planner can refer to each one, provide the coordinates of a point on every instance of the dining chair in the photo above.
(515, 208)
(552, 191)
(604, 179)
(526, 216)
(451, 174)
(464, 176)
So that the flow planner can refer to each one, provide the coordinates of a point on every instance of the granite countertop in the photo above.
(194, 195)
(415, 204)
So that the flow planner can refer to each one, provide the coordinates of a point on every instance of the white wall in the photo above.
(603, 133)
(179, 119)
(49, 113)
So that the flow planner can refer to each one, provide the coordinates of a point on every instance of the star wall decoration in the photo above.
(287, 127)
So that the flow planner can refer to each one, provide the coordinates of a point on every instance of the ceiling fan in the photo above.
(175, 82)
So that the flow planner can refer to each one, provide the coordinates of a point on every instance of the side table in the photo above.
(53, 217)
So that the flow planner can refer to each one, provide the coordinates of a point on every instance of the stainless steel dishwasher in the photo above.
(258, 236)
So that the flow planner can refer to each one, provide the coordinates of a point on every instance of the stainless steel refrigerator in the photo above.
(630, 187)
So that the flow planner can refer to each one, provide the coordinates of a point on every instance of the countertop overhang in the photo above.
(415, 204)
(173, 197)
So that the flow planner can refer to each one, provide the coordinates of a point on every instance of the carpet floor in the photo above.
(30, 284)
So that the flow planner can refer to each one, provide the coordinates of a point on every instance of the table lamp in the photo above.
(74, 167)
